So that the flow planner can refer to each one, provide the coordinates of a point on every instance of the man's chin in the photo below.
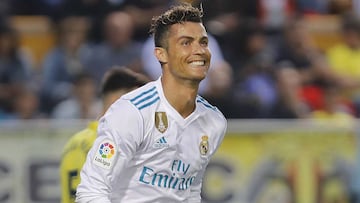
(199, 78)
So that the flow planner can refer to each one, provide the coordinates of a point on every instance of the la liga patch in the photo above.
(105, 155)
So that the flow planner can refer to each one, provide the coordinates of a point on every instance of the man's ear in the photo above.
(161, 55)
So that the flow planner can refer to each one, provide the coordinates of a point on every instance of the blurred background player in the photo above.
(116, 82)
(83, 103)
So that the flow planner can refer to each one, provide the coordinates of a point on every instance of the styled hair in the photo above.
(177, 14)
(121, 78)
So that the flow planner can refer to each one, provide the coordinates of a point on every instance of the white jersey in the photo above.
(147, 152)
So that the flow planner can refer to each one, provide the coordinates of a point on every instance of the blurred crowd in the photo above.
(265, 62)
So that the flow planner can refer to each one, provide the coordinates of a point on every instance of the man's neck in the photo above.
(181, 96)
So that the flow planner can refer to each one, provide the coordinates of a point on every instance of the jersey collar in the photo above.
(172, 111)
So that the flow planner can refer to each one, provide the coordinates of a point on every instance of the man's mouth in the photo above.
(197, 63)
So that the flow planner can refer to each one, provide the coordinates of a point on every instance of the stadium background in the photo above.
(272, 161)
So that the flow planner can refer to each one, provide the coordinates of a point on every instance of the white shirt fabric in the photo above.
(146, 152)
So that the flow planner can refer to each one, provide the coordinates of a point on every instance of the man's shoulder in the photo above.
(133, 105)
(209, 109)
(144, 96)
(206, 105)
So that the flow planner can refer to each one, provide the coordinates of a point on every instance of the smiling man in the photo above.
(155, 142)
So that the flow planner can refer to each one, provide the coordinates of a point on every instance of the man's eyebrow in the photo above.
(185, 37)
(191, 38)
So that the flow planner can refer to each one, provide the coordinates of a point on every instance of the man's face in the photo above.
(187, 54)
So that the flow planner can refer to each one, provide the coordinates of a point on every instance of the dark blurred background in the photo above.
(271, 59)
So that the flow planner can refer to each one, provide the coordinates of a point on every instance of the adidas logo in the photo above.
(161, 143)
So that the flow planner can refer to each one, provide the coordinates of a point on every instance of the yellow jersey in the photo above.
(72, 160)
(344, 60)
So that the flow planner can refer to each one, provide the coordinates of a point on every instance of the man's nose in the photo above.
(200, 49)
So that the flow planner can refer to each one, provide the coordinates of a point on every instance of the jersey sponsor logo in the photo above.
(161, 121)
(161, 143)
(180, 177)
(104, 156)
(204, 145)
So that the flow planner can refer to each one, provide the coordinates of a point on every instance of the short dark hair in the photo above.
(121, 78)
(177, 14)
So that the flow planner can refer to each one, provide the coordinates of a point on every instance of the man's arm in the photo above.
(119, 134)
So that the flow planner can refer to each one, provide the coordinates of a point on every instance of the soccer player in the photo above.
(116, 82)
(155, 142)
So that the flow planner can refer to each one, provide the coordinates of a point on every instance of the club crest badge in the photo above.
(204, 145)
(161, 121)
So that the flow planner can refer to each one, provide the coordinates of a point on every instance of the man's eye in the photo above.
(185, 43)
(204, 43)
